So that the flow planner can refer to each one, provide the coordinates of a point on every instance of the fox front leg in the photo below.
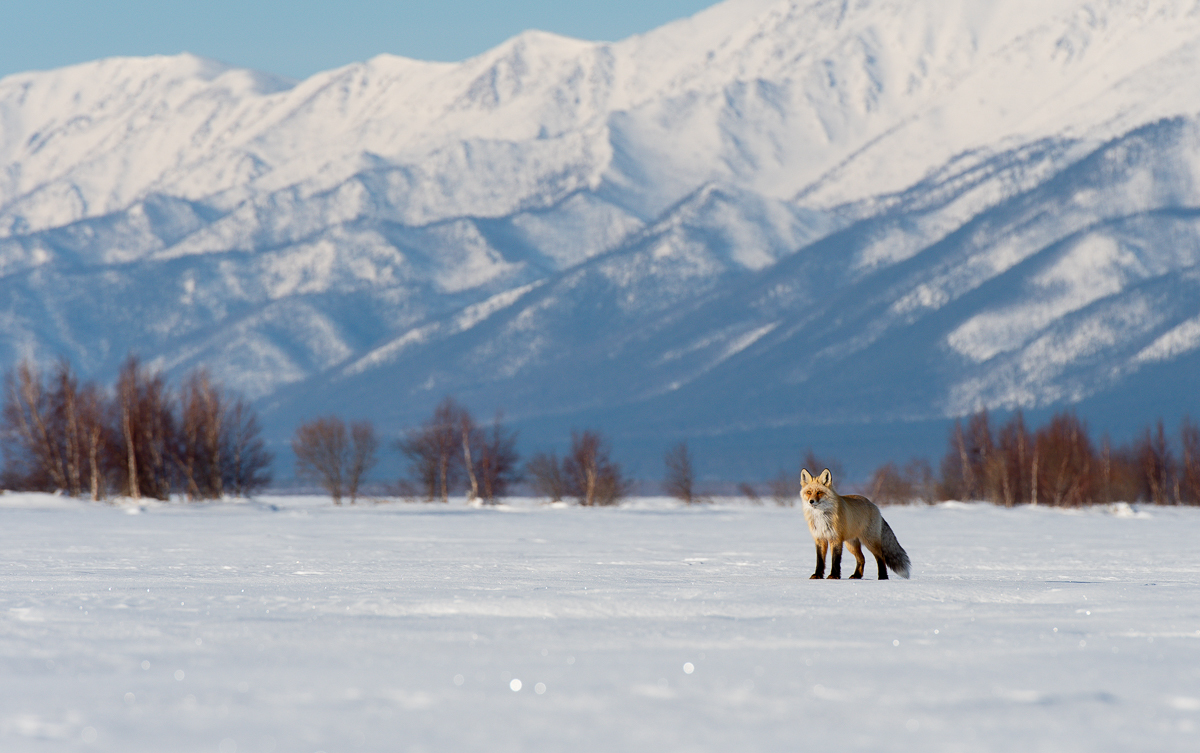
(835, 561)
(820, 573)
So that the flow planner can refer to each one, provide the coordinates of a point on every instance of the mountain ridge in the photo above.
(653, 228)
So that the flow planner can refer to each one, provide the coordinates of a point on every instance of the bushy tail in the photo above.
(894, 555)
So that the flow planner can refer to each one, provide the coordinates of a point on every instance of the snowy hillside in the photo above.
(769, 215)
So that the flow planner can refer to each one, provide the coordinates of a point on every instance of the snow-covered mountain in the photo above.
(798, 219)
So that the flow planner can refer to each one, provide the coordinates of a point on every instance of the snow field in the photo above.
(286, 624)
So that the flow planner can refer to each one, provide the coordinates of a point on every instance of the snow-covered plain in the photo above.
(286, 624)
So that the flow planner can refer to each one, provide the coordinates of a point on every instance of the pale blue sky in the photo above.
(300, 37)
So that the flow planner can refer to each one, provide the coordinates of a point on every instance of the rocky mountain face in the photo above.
(773, 225)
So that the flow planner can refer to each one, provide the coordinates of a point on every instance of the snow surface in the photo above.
(286, 624)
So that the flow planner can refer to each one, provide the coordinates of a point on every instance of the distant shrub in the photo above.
(680, 478)
(336, 459)
(892, 484)
(450, 450)
(590, 474)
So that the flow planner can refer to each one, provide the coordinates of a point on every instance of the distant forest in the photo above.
(144, 438)
(1055, 464)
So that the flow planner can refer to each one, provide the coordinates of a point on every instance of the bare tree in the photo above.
(362, 458)
(423, 460)
(592, 477)
(147, 428)
(335, 458)
(445, 428)
(53, 433)
(546, 476)
(1066, 461)
(892, 484)
(919, 473)
(1120, 474)
(965, 466)
(1189, 467)
(469, 436)
(450, 446)
(126, 407)
(435, 449)
(680, 478)
(199, 441)
(65, 402)
(79, 422)
(79, 432)
(322, 449)
(94, 438)
(74, 438)
(218, 447)
(1008, 468)
(888, 485)
(1104, 481)
(32, 453)
(1157, 465)
(248, 462)
(497, 464)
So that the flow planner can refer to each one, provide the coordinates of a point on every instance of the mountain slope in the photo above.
(771, 214)
(1055, 294)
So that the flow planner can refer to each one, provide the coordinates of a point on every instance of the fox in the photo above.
(834, 519)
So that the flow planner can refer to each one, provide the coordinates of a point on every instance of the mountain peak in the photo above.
(775, 210)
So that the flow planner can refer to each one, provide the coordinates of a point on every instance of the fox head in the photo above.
(816, 492)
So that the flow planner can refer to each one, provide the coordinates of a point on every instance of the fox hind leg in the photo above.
(859, 559)
(877, 551)
(820, 572)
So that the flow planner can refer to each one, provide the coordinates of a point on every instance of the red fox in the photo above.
(834, 519)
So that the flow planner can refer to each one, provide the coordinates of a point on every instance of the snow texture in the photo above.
(286, 624)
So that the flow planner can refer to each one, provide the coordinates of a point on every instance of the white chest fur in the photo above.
(820, 523)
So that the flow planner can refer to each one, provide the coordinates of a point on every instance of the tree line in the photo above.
(1056, 464)
(141, 437)
(1059, 464)
(451, 452)
(138, 438)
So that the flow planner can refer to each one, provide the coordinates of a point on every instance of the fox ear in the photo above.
(805, 476)
(826, 477)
